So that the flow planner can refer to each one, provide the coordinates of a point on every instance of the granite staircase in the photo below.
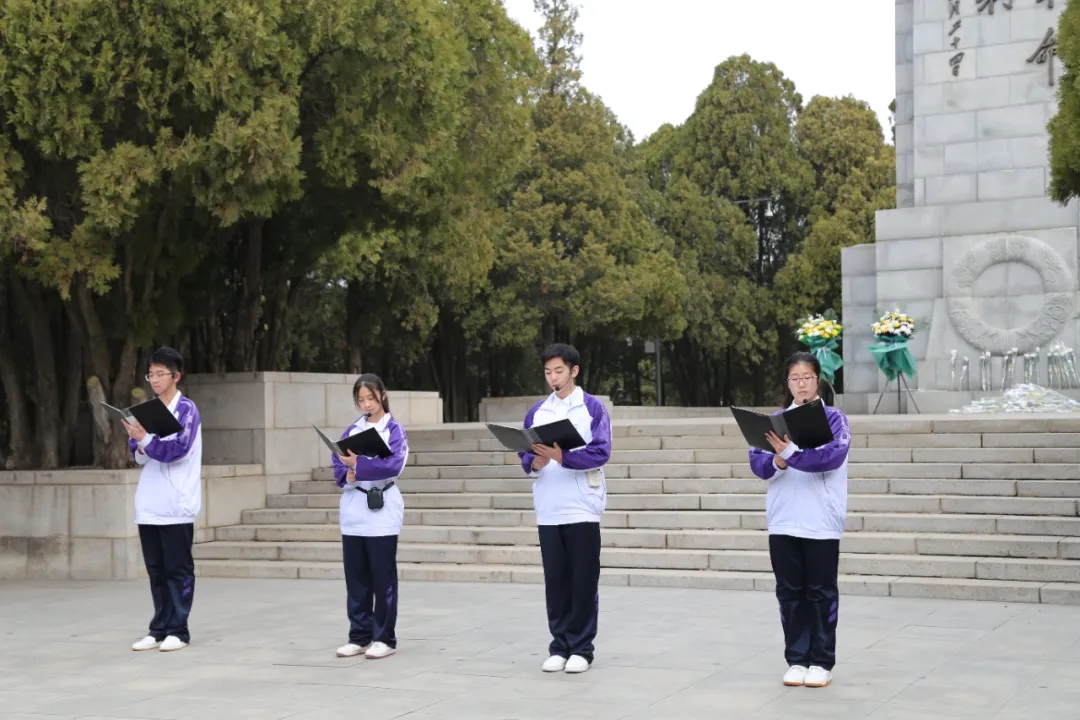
(962, 507)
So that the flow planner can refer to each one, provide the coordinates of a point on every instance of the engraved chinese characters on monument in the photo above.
(989, 4)
(955, 60)
(1044, 54)
(1058, 283)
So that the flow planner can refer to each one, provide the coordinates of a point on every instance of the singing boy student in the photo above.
(569, 496)
(167, 500)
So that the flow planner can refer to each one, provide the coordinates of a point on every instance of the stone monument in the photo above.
(975, 248)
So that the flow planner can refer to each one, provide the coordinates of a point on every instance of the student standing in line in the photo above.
(806, 508)
(570, 496)
(167, 500)
(371, 514)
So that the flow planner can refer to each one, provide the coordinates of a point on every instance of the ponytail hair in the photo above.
(824, 388)
(375, 384)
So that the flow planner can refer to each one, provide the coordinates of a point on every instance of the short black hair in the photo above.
(168, 357)
(567, 353)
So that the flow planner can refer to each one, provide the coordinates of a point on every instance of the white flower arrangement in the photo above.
(893, 326)
(819, 328)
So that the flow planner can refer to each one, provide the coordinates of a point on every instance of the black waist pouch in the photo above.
(375, 496)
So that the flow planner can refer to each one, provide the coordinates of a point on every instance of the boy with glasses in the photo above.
(167, 501)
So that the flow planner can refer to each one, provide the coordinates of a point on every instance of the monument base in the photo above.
(930, 402)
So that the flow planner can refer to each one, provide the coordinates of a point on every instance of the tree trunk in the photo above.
(97, 344)
(282, 302)
(125, 392)
(726, 392)
(103, 428)
(31, 306)
(213, 342)
(250, 306)
(73, 380)
(354, 330)
(18, 420)
(19, 432)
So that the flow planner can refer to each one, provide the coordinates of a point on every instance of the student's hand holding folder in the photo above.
(135, 431)
(349, 458)
(779, 446)
(554, 452)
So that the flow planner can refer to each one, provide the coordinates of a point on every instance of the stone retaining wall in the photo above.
(79, 524)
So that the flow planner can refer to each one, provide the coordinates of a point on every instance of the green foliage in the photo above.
(413, 188)
(576, 255)
(1065, 126)
(759, 196)
(854, 178)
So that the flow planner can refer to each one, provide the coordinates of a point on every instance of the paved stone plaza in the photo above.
(264, 649)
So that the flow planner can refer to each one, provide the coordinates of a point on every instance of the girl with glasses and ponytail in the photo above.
(806, 507)
(371, 514)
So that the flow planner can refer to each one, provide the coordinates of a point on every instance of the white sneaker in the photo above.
(379, 650)
(351, 650)
(173, 643)
(817, 677)
(795, 676)
(555, 663)
(147, 643)
(577, 664)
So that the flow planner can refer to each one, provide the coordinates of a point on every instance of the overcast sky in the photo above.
(650, 59)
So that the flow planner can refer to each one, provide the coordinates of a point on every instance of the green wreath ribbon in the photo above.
(825, 351)
(893, 358)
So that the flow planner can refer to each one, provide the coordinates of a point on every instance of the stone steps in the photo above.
(963, 455)
(861, 426)
(877, 502)
(888, 470)
(906, 486)
(1017, 546)
(938, 507)
(907, 441)
(972, 568)
(882, 586)
(941, 520)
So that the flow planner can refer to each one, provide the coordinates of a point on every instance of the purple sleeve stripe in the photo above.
(390, 467)
(176, 447)
(598, 451)
(827, 457)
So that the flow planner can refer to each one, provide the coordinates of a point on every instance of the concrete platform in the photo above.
(263, 650)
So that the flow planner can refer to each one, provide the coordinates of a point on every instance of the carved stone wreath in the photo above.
(1058, 286)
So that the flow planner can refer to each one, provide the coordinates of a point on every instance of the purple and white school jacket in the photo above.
(170, 486)
(808, 498)
(354, 515)
(562, 494)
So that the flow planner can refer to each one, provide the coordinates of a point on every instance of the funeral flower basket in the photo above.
(820, 333)
(892, 332)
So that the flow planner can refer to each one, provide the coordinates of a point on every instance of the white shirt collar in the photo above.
(577, 397)
(175, 402)
(380, 426)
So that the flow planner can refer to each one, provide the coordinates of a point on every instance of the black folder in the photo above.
(153, 415)
(806, 425)
(368, 443)
(562, 432)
